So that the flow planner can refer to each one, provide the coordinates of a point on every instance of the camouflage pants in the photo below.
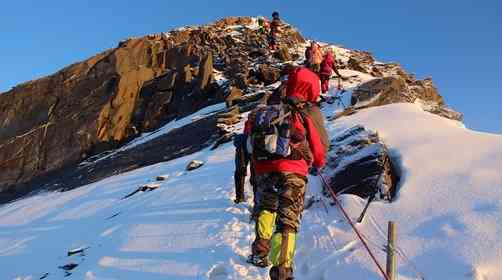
(282, 193)
(281, 198)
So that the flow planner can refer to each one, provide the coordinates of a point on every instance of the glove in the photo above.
(314, 171)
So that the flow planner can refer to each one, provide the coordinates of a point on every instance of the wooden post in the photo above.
(391, 253)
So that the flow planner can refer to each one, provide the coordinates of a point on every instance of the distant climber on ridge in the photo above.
(328, 65)
(275, 30)
(313, 56)
(263, 26)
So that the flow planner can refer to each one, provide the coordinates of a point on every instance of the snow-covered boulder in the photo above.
(361, 165)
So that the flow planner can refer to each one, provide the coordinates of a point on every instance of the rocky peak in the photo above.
(98, 104)
(143, 83)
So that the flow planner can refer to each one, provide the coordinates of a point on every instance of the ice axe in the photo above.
(361, 217)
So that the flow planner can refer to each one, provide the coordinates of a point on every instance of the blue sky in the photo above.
(458, 43)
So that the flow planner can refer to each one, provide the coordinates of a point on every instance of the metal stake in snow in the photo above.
(337, 202)
(391, 256)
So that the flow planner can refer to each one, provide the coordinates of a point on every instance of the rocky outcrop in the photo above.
(397, 89)
(179, 142)
(381, 91)
(362, 165)
(100, 103)
(62, 118)
(51, 124)
(269, 74)
(361, 61)
(392, 84)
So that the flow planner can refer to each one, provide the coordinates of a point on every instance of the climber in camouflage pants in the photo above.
(280, 187)
(281, 205)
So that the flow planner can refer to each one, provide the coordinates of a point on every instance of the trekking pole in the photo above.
(361, 217)
(337, 202)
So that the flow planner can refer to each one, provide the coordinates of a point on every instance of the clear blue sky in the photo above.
(458, 43)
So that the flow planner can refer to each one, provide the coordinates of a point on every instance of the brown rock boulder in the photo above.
(394, 89)
(381, 91)
(361, 61)
(268, 74)
(283, 54)
(234, 94)
(425, 90)
(205, 72)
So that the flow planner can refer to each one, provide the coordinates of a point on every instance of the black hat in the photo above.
(275, 14)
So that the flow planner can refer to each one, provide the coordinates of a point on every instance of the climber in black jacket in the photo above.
(242, 160)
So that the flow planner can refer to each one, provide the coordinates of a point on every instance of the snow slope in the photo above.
(449, 215)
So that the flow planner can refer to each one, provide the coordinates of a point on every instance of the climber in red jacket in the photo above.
(328, 65)
(281, 182)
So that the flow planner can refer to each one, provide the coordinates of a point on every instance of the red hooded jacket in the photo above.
(328, 64)
(303, 84)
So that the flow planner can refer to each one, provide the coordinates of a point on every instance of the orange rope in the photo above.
(337, 202)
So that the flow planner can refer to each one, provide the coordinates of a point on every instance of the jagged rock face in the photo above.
(381, 91)
(361, 61)
(425, 90)
(61, 118)
(99, 103)
(392, 84)
(395, 89)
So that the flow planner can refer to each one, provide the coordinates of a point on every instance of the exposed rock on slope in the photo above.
(362, 165)
(49, 125)
(100, 103)
(397, 86)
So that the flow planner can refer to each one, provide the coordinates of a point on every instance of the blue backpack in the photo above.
(270, 133)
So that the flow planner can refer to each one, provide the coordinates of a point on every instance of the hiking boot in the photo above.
(281, 273)
(259, 261)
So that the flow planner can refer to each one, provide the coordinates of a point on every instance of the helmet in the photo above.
(275, 14)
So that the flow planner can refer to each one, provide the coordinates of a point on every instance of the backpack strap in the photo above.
(281, 117)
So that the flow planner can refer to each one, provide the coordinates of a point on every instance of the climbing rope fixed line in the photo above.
(337, 202)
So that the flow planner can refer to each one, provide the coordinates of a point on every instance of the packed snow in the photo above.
(448, 211)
